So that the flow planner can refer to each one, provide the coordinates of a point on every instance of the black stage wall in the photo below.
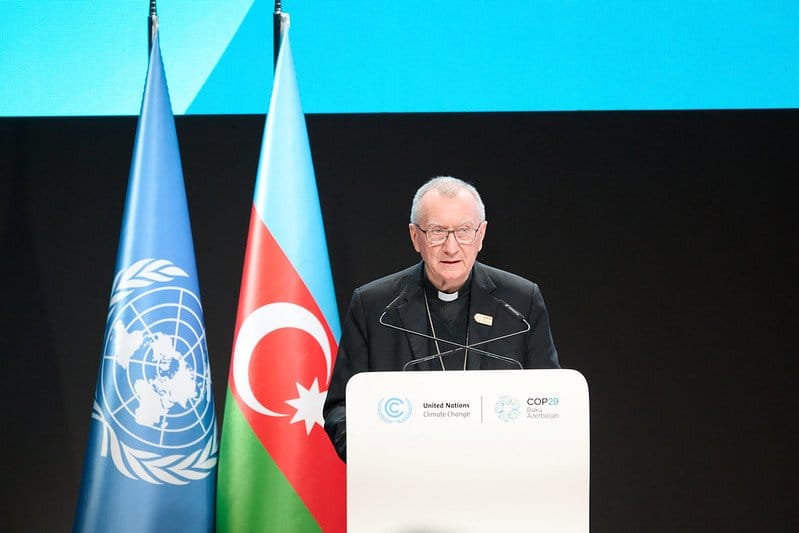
(664, 243)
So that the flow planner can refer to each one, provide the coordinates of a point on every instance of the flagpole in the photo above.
(277, 30)
(152, 26)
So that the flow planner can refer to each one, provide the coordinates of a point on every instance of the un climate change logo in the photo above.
(154, 396)
(394, 410)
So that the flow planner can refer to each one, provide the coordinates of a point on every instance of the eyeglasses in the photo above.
(436, 235)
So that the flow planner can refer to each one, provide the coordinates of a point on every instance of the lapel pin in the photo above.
(485, 320)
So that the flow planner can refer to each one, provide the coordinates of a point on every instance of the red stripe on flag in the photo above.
(282, 361)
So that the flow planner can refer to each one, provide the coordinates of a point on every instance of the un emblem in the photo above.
(394, 410)
(154, 397)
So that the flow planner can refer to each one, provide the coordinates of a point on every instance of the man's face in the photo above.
(448, 265)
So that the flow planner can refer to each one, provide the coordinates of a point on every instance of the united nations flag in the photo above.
(152, 451)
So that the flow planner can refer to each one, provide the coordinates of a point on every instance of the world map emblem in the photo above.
(154, 397)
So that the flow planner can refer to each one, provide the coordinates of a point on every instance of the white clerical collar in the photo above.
(448, 296)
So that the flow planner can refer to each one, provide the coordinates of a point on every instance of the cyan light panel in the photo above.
(384, 56)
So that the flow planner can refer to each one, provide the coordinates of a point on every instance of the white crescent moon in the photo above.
(258, 325)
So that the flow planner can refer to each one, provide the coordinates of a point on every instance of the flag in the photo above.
(277, 468)
(151, 457)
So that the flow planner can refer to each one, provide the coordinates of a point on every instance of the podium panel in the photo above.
(467, 452)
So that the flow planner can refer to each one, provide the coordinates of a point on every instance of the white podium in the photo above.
(467, 452)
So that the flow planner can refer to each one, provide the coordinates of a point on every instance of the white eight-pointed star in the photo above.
(309, 406)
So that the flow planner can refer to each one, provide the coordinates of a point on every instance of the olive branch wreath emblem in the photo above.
(174, 469)
(141, 274)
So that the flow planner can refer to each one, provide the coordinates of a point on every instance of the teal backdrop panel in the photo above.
(384, 56)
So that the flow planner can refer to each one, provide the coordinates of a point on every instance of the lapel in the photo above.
(482, 302)
(412, 313)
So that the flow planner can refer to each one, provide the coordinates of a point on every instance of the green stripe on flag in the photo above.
(252, 493)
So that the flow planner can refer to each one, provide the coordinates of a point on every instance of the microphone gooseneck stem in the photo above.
(458, 346)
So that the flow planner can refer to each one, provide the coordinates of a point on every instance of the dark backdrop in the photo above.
(664, 243)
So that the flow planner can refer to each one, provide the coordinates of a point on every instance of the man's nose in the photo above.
(451, 245)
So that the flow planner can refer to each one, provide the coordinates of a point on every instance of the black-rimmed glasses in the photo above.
(436, 235)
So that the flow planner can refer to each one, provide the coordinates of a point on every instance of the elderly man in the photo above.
(448, 312)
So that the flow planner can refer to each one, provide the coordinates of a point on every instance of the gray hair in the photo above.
(448, 187)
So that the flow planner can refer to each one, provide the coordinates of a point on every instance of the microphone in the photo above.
(512, 310)
(392, 305)
(458, 346)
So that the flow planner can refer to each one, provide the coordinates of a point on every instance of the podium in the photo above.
(467, 452)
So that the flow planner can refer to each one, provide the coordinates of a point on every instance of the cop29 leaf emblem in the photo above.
(154, 396)
(507, 408)
(394, 410)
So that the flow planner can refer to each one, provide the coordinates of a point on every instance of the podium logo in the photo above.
(394, 410)
(507, 408)
(543, 401)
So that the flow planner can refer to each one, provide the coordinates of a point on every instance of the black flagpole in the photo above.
(152, 25)
(277, 30)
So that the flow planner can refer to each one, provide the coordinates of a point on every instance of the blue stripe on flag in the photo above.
(286, 197)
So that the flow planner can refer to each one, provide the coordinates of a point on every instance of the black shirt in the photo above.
(450, 322)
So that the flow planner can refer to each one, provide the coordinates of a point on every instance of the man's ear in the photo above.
(414, 234)
(482, 235)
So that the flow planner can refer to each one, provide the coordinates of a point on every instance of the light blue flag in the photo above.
(151, 456)
(286, 196)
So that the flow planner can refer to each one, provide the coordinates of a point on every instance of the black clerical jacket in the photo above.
(366, 345)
